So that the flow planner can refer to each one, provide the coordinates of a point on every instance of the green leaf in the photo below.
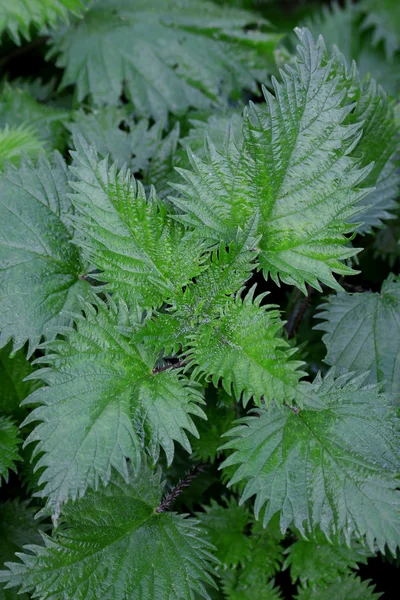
(220, 412)
(14, 389)
(386, 243)
(9, 443)
(317, 562)
(293, 170)
(384, 17)
(335, 468)
(17, 529)
(165, 55)
(252, 581)
(342, 26)
(19, 15)
(345, 588)
(244, 350)
(144, 255)
(39, 267)
(362, 333)
(378, 146)
(249, 588)
(113, 544)
(16, 141)
(225, 529)
(18, 107)
(113, 132)
(102, 401)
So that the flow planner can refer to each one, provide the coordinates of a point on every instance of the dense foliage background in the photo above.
(150, 197)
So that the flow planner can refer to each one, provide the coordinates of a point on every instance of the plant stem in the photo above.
(178, 489)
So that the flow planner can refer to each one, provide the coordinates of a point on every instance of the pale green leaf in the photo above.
(9, 445)
(363, 333)
(101, 402)
(144, 255)
(294, 169)
(39, 268)
(112, 544)
(336, 468)
(165, 55)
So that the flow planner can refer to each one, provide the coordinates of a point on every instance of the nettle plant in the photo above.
(175, 437)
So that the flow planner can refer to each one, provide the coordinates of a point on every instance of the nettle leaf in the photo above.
(243, 349)
(386, 243)
(18, 528)
(9, 445)
(220, 412)
(345, 588)
(250, 588)
(376, 113)
(293, 168)
(342, 26)
(335, 468)
(13, 370)
(102, 401)
(383, 16)
(144, 255)
(225, 528)
(19, 15)
(253, 580)
(16, 141)
(114, 133)
(18, 107)
(39, 267)
(113, 544)
(362, 333)
(319, 562)
(165, 55)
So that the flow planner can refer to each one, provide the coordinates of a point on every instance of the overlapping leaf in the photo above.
(293, 168)
(318, 562)
(15, 141)
(225, 529)
(17, 529)
(244, 351)
(39, 268)
(102, 402)
(18, 108)
(9, 445)
(19, 15)
(335, 468)
(145, 257)
(343, 588)
(114, 545)
(363, 333)
(383, 16)
(14, 389)
(166, 55)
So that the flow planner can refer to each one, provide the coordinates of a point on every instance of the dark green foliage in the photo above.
(185, 187)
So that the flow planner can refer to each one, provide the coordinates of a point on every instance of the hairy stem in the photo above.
(178, 489)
